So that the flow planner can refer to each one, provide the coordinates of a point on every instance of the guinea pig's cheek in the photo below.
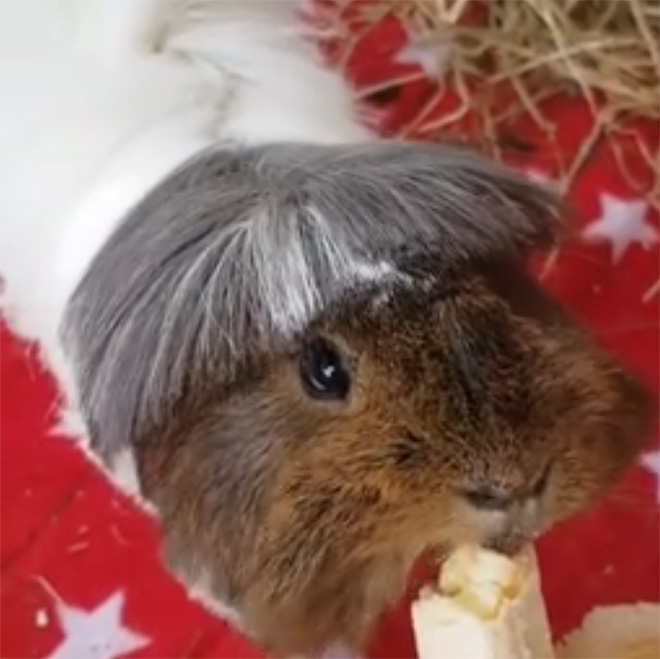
(573, 487)
(548, 513)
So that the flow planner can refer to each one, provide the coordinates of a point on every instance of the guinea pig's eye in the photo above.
(322, 371)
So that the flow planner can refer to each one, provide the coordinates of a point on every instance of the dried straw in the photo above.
(607, 51)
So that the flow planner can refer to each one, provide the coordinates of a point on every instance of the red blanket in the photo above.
(81, 576)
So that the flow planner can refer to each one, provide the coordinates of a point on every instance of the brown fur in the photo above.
(309, 514)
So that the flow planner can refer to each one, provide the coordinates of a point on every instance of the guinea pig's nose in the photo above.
(486, 497)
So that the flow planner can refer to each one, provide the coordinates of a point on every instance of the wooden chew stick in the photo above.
(486, 607)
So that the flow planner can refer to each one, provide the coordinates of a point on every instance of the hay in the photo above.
(527, 51)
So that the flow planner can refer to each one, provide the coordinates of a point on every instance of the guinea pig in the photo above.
(328, 359)
(322, 352)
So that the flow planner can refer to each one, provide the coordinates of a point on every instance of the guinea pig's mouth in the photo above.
(509, 544)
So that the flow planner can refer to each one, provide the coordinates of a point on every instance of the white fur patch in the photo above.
(124, 472)
(200, 590)
(93, 121)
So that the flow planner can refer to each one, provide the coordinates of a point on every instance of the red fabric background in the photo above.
(63, 523)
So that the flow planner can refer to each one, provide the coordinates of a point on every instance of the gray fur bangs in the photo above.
(242, 247)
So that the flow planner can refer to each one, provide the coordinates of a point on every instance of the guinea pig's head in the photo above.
(326, 360)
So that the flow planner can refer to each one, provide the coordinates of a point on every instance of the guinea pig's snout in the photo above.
(519, 525)
(509, 496)
(512, 514)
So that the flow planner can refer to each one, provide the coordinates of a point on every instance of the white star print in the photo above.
(652, 462)
(97, 634)
(431, 58)
(622, 223)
